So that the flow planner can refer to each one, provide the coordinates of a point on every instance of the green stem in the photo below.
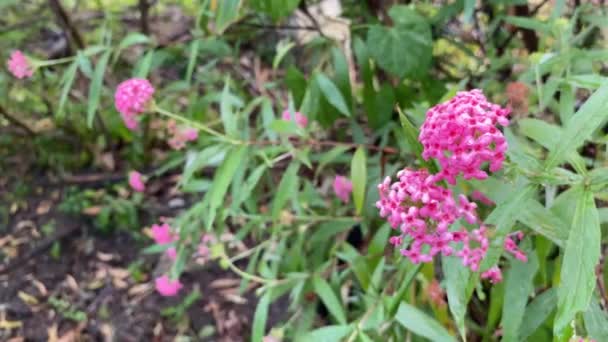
(197, 125)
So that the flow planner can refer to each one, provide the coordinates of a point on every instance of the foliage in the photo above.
(261, 179)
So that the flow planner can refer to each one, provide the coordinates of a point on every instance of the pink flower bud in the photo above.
(167, 287)
(494, 274)
(343, 188)
(301, 119)
(136, 182)
(19, 65)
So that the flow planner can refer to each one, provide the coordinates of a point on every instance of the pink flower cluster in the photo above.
(462, 136)
(19, 65)
(132, 98)
(163, 235)
(423, 211)
(180, 135)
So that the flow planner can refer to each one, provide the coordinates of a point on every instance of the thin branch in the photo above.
(66, 22)
(16, 122)
(144, 7)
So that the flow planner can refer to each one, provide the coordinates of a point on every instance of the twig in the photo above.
(16, 122)
(531, 13)
(278, 27)
(39, 249)
(66, 22)
(144, 8)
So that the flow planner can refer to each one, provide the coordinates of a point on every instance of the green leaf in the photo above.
(192, 59)
(402, 291)
(588, 118)
(327, 230)
(581, 254)
(222, 179)
(457, 280)
(358, 175)
(543, 221)
(259, 318)
(596, 321)
(277, 9)
(132, 39)
(143, 66)
(422, 324)
(282, 49)
(329, 298)
(504, 217)
(226, 13)
(227, 113)
(518, 286)
(330, 333)
(537, 312)
(332, 94)
(566, 103)
(287, 188)
(342, 75)
(405, 48)
(529, 23)
(549, 136)
(67, 80)
(96, 87)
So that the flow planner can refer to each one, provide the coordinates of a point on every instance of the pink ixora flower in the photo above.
(167, 287)
(132, 98)
(19, 65)
(343, 188)
(462, 135)
(423, 212)
(300, 119)
(494, 274)
(136, 181)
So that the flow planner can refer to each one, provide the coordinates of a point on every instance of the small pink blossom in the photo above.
(132, 98)
(494, 274)
(180, 135)
(511, 246)
(203, 247)
(462, 135)
(343, 187)
(19, 65)
(136, 181)
(162, 233)
(300, 119)
(167, 287)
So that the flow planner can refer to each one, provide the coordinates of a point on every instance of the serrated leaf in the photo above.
(422, 324)
(96, 87)
(518, 286)
(259, 318)
(332, 94)
(329, 298)
(457, 280)
(537, 312)
(578, 129)
(405, 48)
(581, 254)
(358, 176)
